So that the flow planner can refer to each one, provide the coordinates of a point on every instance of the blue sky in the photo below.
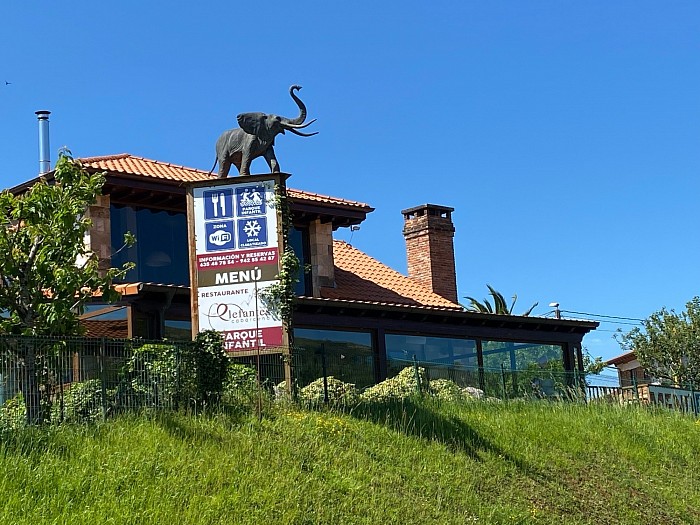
(565, 134)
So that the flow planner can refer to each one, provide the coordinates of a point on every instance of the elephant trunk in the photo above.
(302, 109)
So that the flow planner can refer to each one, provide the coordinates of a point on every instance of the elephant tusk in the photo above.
(299, 126)
(303, 134)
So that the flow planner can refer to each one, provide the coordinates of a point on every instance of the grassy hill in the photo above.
(418, 462)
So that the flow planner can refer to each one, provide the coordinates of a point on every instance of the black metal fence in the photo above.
(85, 379)
(502, 383)
(536, 382)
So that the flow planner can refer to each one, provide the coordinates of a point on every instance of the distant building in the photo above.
(349, 304)
(630, 372)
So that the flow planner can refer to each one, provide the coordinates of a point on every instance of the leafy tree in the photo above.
(499, 304)
(188, 375)
(592, 365)
(211, 364)
(47, 273)
(668, 344)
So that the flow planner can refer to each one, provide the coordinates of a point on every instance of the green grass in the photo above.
(412, 463)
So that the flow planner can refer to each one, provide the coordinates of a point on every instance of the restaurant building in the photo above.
(349, 305)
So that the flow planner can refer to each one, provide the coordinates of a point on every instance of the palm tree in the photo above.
(499, 306)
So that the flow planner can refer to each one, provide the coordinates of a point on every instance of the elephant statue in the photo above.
(256, 137)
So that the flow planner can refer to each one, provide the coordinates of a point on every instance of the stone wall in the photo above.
(99, 238)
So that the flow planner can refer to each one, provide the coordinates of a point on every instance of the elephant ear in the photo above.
(251, 123)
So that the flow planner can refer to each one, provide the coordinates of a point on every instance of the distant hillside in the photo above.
(537, 463)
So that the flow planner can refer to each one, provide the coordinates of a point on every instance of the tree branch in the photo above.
(33, 251)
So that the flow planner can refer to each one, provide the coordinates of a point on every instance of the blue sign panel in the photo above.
(252, 232)
(250, 200)
(219, 236)
(218, 204)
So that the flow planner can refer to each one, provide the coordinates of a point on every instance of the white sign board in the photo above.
(236, 256)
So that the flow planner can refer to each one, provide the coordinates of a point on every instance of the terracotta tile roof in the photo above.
(127, 164)
(114, 328)
(362, 278)
(326, 199)
(627, 357)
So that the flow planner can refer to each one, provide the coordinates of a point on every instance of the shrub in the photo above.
(185, 375)
(404, 386)
(82, 403)
(13, 413)
(211, 366)
(339, 393)
(241, 384)
(446, 390)
(400, 387)
(150, 378)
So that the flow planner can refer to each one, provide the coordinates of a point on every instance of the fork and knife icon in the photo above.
(218, 200)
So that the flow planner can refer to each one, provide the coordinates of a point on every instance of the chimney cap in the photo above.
(42, 113)
(430, 209)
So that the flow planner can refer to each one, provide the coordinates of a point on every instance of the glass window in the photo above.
(444, 350)
(160, 253)
(348, 356)
(442, 357)
(177, 322)
(522, 356)
(524, 369)
(177, 330)
(298, 240)
(105, 321)
(94, 307)
(104, 312)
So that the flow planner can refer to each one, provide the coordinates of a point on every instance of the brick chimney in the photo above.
(429, 233)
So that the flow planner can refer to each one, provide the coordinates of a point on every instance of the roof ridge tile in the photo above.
(98, 158)
(168, 164)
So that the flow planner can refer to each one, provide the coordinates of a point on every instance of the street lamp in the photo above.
(557, 311)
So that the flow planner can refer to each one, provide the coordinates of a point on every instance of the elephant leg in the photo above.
(245, 163)
(224, 167)
(272, 160)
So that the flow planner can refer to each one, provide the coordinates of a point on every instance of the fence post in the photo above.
(325, 373)
(417, 375)
(62, 404)
(178, 385)
(580, 386)
(692, 399)
(103, 379)
(503, 380)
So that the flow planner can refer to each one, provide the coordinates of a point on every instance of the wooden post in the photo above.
(192, 251)
(103, 379)
(325, 373)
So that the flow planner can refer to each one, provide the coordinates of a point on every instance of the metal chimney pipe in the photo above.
(44, 155)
